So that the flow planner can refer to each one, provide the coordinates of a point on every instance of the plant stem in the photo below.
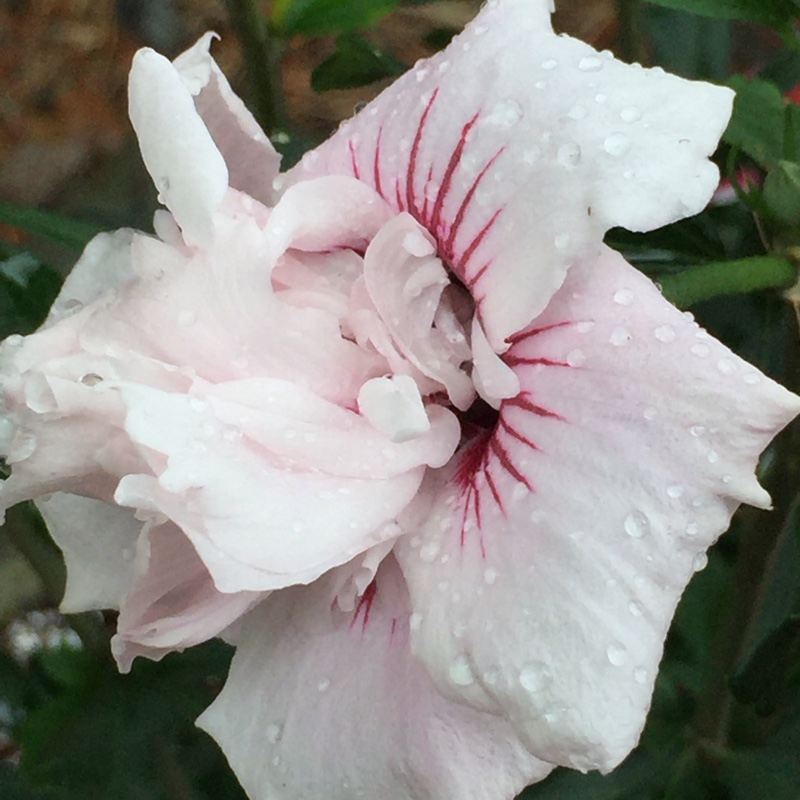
(262, 61)
(723, 278)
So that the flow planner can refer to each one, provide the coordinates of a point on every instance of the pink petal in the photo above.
(558, 545)
(252, 161)
(173, 602)
(325, 703)
(185, 164)
(97, 540)
(518, 149)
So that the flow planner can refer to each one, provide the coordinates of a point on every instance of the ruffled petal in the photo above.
(252, 161)
(518, 149)
(185, 164)
(98, 542)
(550, 556)
(325, 703)
(172, 603)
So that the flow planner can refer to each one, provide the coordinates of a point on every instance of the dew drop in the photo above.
(713, 457)
(701, 350)
(576, 357)
(534, 676)
(674, 491)
(630, 114)
(479, 30)
(490, 576)
(700, 562)
(274, 732)
(635, 609)
(617, 144)
(421, 74)
(91, 379)
(415, 621)
(600, 97)
(649, 414)
(569, 154)
(460, 671)
(540, 84)
(585, 327)
(665, 333)
(562, 241)
(444, 66)
(590, 64)
(623, 297)
(692, 528)
(636, 524)
(505, 114)
(726, 366)
(429, 551)
(491, 675)
(619, 337)
(551, 63)
(752, 378)
(640, 675)
(617, 654)
(697, 431)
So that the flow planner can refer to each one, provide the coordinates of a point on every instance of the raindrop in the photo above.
(534, 676)
(692, 528)
(414, 621)
(697, 431)
(274, 732)
(490, 576)
(600, 97)
(324, 685)
(569, 154)
(700, 562)
(590, 64)
(479, 30)
(460, 671)
(665, 333)
(585, 327)
(443, 67)
(540, 84)
(562, 241)
(91, 379)
(713, 457)
(630, 114)
(674, 491)
(551, 63)
(640, 675)
(617, 144)
(505, 114)
(421, 74)
(649, 414)
(701, 350)
(752, 378)
(726, 366)
(617, 654)
(624, 297)
(576, 357)
(635, 609)
(429, 551)
(636, 524)
(619, 337)
(491, 675)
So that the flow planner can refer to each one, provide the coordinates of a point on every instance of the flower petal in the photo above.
(325, 703)
(558, 545)
(252, 161)
(518, 149)
(97, 540)
(186, 166)
(173, 602)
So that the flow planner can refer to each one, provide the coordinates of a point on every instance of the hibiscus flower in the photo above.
(397, 423)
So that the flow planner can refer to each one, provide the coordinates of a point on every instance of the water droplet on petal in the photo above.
(726, 366)
(623, 297)
(649, 414)
(490, 576)
(562, 241)
(534, 676)
(697, 431)
(91, 379)
(576, 357)
(617, 144)
(429, 551)
(636, 524)
(640, 675)
(600, 97)
(713, 457)
(635, 609)
(460, 671)
(505, 114)
(444, 66)
(569, 154)
(550, 63)
(585, 327)
(692, 528)
(752, 378)
(700, 562)
(324, 685)
(274, 732)
(630, 114)
(701, 350)
(590, 64)
(414, 621)
(617, 654)
(491, 675)
(675, 491)
(619, 337)
(665, 333)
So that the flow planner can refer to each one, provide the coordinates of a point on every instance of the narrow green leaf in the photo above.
(757, 124)
(325, 17)
(355, 62)
(72, 232)
(776, 13)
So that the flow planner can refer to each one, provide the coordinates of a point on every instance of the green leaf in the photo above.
(757, 124)
(27, 290)
(73, 232)
(355, 62)
(325, 17)
(782, 193)
(776, 13)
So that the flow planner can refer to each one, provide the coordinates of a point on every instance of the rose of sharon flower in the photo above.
(446, 460)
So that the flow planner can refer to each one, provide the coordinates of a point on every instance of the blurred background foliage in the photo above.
(725, 721)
